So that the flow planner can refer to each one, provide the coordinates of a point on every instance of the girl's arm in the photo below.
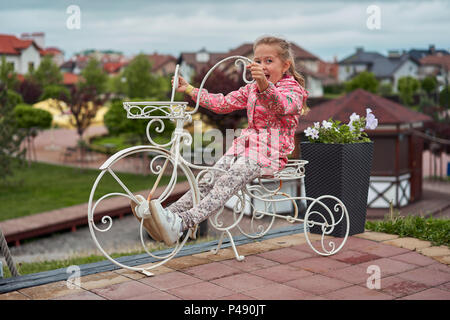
(283, 100)
(219, 103)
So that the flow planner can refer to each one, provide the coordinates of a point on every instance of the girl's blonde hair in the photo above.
(285, 53)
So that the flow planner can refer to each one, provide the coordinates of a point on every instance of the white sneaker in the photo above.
(141, 211)
(168, 223)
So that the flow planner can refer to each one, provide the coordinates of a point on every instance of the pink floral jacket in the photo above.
(273, 117)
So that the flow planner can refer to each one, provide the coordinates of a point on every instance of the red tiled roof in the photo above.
(112, 67)
(70, 78)
(50, 50)
(158, 60)
(386, 111)
(437, 59)
(10, 44)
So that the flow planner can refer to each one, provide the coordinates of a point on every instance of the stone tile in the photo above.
(319, 264)
(443, 259)
(154, 295)
(353, 274)
(50, 291)
(250, 263)
(242, 282)
(123, 290)
(84, 295)
(135, 275)
(439, 267)
(210, 271)
(200, 291)
(354, 243)
(100, 280)
(170, 280)
(435, 251)
(357, 293)
(376, 236)
(288, 241)
(389, 266)
(222, 254)
(426, 275)
(282, 273)
(414, 258)
(444, 286)
(353, 257)
(318, 284)
(256, 247)
(380, 249)
(285, 255)
(305, 247)
(237, 296)
(14, 295)
(185, 262)
(399, 287)
(429, 294)
(408, 243)
(278, 291)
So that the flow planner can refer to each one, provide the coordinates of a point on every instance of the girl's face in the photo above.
(267, 56)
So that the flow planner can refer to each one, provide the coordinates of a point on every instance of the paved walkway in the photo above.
(279, 268)
(283, 268)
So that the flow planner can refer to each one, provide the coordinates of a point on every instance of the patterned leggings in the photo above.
(214, 196)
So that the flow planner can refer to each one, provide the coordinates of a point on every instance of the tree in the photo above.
(407, 86)
(30, 90)
(444, 98)
(117, 123)
(429, 84)
(93, 76)
(47, 73)
(7, 75)
(30, 120)
(141, 83)
(364, 80)
(11, 136)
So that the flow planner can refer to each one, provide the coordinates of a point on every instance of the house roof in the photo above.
(437, 60)
(377, 63)
(386, 111)
(113, 67)
(70, 78)
(11, 45)
(159, 60)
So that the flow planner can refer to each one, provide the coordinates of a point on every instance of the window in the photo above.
(30, 66)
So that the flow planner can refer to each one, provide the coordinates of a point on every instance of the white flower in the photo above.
(354, 117)
(371, 121)
(317, 125)
(326, 124)
(312, 132)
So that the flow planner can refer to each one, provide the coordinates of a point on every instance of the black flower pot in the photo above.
(343, 171)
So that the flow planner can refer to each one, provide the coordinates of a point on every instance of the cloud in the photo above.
(324, 27)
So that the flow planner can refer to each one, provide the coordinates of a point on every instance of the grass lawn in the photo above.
(46, 187)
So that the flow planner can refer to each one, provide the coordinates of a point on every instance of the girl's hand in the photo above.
(258, 74)
(182, 84)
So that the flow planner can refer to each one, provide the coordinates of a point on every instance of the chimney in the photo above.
(393, 54)
(37, 37)
(432, 49)
(359, 49)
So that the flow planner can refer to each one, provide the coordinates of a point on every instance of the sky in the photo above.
(326, 28)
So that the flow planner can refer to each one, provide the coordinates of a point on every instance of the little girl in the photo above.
(274, 103)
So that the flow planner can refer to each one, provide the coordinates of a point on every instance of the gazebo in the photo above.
(396, 173)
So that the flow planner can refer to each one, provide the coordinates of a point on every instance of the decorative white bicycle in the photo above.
(169, 152)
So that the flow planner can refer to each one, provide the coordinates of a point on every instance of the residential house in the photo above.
(162, 64)
(437, 65)
(386, 69)
(316, 72)
(23, 55)
(39, 38)
(418, 54)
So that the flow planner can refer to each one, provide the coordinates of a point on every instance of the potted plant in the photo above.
(340, 160)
